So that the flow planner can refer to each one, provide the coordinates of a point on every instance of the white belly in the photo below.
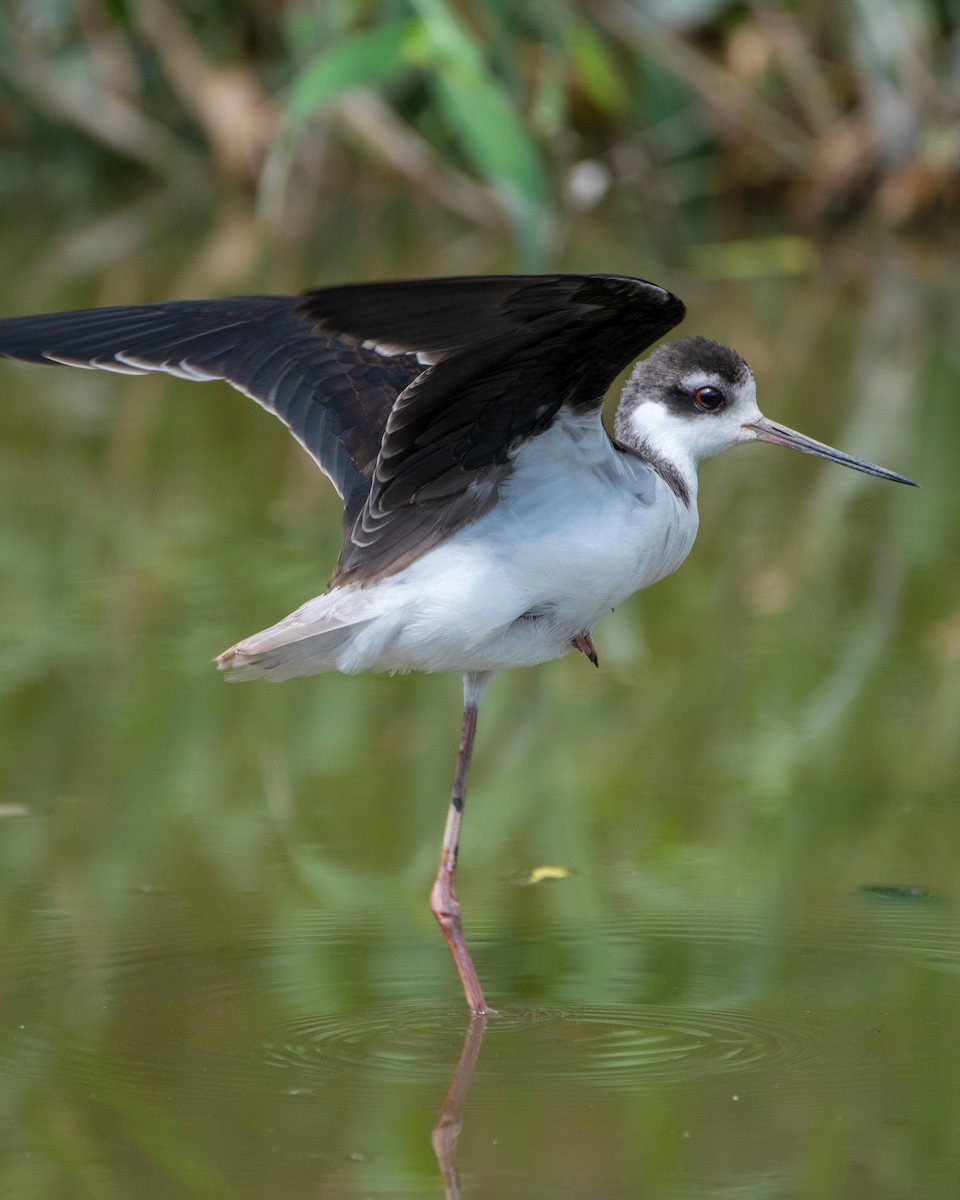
(563, 547)
(578, 528)
(507, 593)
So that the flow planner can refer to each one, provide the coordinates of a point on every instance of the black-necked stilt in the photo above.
(490, 520)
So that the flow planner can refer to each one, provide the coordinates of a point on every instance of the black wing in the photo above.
(508, 352)
(410, 396)
(334, 395)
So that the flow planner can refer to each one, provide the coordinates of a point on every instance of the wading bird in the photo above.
(490, 520)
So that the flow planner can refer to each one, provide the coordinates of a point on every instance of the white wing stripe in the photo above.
(181, 369)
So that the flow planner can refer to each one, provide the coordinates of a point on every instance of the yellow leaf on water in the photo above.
(539, 874)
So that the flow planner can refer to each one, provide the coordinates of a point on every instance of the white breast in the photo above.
(578, 528)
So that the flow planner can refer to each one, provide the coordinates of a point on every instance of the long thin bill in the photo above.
(780, 435)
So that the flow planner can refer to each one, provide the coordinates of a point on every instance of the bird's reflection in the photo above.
(450, 1118)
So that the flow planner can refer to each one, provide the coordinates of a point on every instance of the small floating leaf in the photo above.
(539, 874)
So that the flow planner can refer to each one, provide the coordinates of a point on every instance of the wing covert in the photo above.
(506, 353)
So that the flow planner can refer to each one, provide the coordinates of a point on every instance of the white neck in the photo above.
(656, 434)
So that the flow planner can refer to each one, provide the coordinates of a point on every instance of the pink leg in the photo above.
(443, 897)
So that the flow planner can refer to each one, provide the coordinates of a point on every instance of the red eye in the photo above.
(708, 399)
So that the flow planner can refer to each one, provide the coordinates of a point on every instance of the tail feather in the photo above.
(305, 643)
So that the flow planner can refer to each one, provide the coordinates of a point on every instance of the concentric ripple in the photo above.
(172, 1005)
(611, 1047)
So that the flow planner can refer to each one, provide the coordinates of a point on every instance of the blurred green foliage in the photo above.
(515, 116)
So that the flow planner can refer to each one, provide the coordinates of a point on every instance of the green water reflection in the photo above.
(220, 975)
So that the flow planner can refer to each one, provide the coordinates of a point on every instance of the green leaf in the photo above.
(491, 133)
(372, 57)
(495, 140)
(597, 71)
(482, 116)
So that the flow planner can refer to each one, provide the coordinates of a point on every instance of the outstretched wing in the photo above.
(334, 395)
(507, 354)
(411, 396)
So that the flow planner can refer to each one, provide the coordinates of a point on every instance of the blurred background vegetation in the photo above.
(517, 116)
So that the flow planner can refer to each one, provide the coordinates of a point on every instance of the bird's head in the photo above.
(693, 398)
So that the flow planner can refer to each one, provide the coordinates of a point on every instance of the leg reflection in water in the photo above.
(450, 1118)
